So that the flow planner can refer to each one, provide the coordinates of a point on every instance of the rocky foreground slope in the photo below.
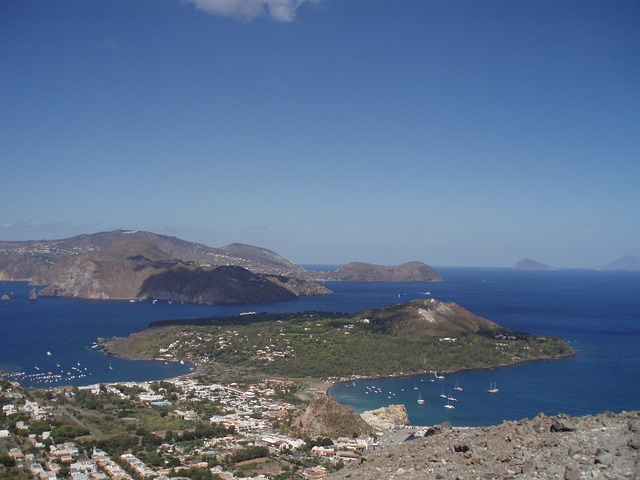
(604, 446)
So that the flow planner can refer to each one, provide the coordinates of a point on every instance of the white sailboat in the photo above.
(493, 388)
(457, 386)
(449, 406)
(420, 399)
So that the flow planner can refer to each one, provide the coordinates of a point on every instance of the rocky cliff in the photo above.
(326, 417)
(137, 268)
(604, 446)
(386, 417)
(138, 264)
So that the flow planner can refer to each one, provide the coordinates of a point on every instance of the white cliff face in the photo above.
(429, 316)
(386, 417)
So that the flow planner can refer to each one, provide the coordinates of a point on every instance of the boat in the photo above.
(442, 394)
(449, 406)
(493, 388)
(439, 377)
(451, 398)
(420, 399)
(110, 366)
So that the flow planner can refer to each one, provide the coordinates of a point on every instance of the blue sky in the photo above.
(462, 133)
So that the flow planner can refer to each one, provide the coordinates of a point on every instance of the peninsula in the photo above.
(410, 338)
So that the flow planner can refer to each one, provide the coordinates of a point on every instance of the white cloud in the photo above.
(29, 225)
(282, 10)
(262, 228)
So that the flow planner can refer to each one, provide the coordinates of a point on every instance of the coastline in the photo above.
(446, 371)
(118, 347)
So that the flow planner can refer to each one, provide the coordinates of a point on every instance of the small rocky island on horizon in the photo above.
(528, 264)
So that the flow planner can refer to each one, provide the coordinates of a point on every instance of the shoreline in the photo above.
(320, 386)
(448, 371)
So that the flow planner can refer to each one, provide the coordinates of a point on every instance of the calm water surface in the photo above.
(598, 312)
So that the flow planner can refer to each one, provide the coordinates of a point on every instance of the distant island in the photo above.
(367, 272)
(528, 264)
(628, 262)
(138, 265)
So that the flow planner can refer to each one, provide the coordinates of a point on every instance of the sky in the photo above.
(456, 133)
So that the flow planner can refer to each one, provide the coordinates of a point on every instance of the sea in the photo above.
(52, 342)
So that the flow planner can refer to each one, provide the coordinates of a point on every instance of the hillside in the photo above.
(33, 260)
(368, 272)
(570, 448)
(141, 265)
(324, 417)
(425, 317)
(136, 264)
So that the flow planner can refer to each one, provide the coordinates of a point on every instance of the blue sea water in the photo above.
(598, 312)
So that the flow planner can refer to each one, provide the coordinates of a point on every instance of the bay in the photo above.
(598, 312)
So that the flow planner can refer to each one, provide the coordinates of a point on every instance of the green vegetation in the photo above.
(329, 345)
(248, 453)
(196, 473)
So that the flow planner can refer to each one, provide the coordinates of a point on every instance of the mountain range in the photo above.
(135, 264)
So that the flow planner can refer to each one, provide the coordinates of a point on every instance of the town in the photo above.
(181, 427)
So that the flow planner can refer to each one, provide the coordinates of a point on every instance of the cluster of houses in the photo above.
(252, 411)
(186, 343)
